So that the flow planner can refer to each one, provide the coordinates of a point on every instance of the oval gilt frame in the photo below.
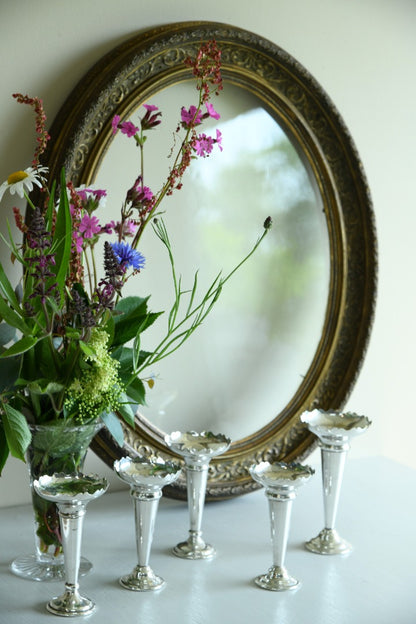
(132, 73)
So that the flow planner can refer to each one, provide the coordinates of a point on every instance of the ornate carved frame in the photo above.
(137, 69)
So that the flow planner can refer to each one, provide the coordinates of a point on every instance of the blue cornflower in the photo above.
(128, 256)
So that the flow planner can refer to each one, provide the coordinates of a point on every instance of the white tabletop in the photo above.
(375, 584)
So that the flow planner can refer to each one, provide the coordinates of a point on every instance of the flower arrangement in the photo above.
(69, 341)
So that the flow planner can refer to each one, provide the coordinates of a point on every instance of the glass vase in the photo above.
(54, 448)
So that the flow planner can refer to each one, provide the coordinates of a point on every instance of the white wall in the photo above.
(363, 53)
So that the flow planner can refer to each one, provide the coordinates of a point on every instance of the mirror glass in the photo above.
(244, 364)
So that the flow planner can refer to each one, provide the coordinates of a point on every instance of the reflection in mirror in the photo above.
(242, 367)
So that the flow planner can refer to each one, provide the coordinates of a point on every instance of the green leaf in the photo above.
(124, 355)
(12, 245)
(7, 333)
(16, 431)
(136, 350)
(42, 362)
(113, 425)
(4, 448)
(22, 345)
(133, 315)
(109, 327)
(72, 333)
(62, 237)
(41, 386)
(9, 372)
(7, 290)
(13, 318)
(126, 410)
(51, 206)
(87, 349)
(136, 391)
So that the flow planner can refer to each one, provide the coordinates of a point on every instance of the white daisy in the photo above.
(21, 181)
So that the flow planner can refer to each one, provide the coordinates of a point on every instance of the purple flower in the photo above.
(218, 140)
(191, 117)
(127, 256)
(204, 145)
(211, 111)
(128, 228)
(89, 226)
(139, 195)
(115, 122)
(128, 128)
(149, 120)
(77, 241)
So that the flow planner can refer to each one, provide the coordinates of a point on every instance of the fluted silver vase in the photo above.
(334, 431)
(197, 449)
(146, 478)
(281, 482)
(71, 493)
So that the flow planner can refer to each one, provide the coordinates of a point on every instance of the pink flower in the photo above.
(218, 140)
(191, 117)
(150, 121)
(89, 226)
(128, 128)
(115, 122)
(203, 145)
(109, 227)
(139, 194)
(211, 111)
(77, 240)
(129, 228)
(90, 198)
(144, 193)
(98, 193)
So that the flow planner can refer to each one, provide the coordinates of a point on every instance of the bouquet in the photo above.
(70, 343)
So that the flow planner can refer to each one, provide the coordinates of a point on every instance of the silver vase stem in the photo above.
(196, 482)
(72, 521)
(333, 463)
(197, 475)
(333, 456)
(71, 603)
(277, 578)
(146, 503)
(145, 510)
(280, 508)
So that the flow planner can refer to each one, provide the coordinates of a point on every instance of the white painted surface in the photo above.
(373, 585)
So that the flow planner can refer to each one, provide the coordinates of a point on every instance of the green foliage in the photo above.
(62, 239)
(16, 431)
(131, 319)
(4, 448)
(114, 426)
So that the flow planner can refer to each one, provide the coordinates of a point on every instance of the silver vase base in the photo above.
(70, 604)
(32, 568)
(142, 579)
(194, 548)
(328, 542)
(277, 578)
